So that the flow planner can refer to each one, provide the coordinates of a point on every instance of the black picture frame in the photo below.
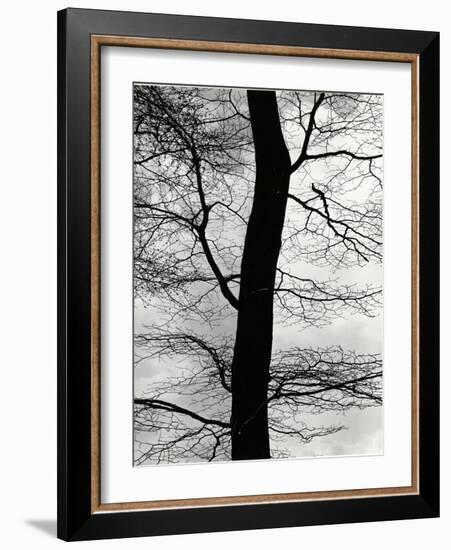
(76, 520)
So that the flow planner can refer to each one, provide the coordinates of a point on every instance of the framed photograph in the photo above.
(248, 274)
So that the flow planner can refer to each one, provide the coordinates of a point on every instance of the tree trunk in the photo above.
(253, 344)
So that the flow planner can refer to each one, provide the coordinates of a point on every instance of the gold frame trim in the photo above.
(97, 41)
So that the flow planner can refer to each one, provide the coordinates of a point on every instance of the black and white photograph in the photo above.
(258, 274)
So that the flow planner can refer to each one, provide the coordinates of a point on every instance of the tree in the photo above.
(235, 194)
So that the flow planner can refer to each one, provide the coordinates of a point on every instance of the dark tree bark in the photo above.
(253, 344)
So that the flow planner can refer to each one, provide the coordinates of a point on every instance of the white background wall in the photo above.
(28, 272)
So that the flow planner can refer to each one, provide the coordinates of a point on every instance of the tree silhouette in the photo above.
(237, 194)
